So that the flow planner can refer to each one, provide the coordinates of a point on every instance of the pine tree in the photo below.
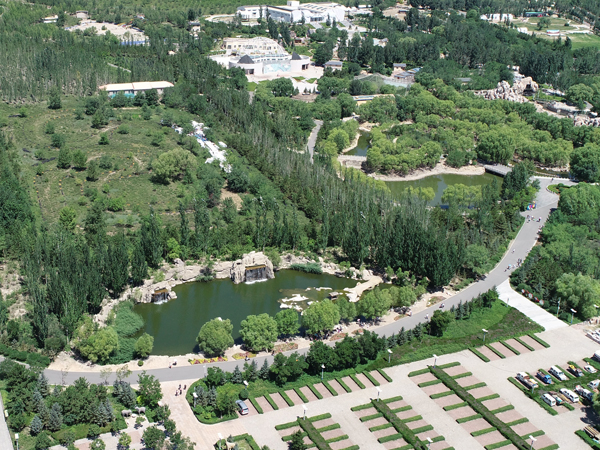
(139, 266)
(263, 374)
(202, 226)
(55, 420)
(36, 426)
(42, 385)
(117, 265)
(110, 413)
(38, 399)
(250, 371)
(150, 239)
(54, 101)
(401, 337)
(236, 376)
(44, 413)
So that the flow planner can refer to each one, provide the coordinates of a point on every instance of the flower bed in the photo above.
(207, 360)
(338, 336)
(286, 347)
(243, 355)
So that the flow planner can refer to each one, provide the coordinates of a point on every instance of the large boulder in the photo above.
(253, 259)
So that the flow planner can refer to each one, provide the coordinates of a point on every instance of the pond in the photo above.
(439, 183)
(175, 324)
(362, 146)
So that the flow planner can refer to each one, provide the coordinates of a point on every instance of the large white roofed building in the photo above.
(294, 11)
(134, 88)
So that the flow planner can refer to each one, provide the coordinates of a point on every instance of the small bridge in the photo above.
(352, 160)
(498, 169)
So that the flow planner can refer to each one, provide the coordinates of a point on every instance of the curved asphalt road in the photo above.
(519, 248)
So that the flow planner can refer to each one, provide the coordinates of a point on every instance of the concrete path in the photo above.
(5, 439)
(312, 139)
(529, 308)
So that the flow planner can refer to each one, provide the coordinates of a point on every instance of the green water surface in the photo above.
(175, 324)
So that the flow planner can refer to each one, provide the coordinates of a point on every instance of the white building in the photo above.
(131, 89)
(497, 17)
(294, 11)
(260, 55)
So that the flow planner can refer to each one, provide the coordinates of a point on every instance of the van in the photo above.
(584, 393)
(558, 373)
(596, 355)
(242, 408)
(572, 396)
(594, 384)
(549, 399)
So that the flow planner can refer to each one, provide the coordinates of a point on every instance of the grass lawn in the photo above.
(584, 40)
(501, 322)
(252, 86)
(130, 154)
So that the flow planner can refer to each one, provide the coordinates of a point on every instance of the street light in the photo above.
(220, 439)
(246, 384)
(304, 407)
(558, 307)
(389, 355)
(429, 442)
(572, 314)
(17, 440)
(435, 357)
(532, 441)
(378, 392)
(484, 333)
(322, 370)
(195, 398)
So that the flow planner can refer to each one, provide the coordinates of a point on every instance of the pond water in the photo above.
(439, 183)
(362, 146)
(175, 324)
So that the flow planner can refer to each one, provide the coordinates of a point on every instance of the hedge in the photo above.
(497, 445)
(429, 383)
(401, 409)
(403, 430)
(525, 344)
(518, 421)
(588, 440)
(319, 417)
(249, 439)
(488, 397)
(287, 399)
(315, 391)
(313, 434)
(289, 437)
(503, 409)
(344, 385)
(371, 417)
(380, 427)
(392, 399)
(479, 408)
(352, 447)
(301, 395)
(357, 381)
(337, 439)
(256, 405)
(495, 351)
(484, 431)
(448, 365)
(411, 419)
(441, 394)
(391, 437)
(373, 381)
(419, 372)
(333, 426)
(462, 375)
(422, 429)
(455, 406)
(468, 418)
(480, 355)
(361, 407)
(330, 388)
(285, 426)
(271, 402)
(510, 347)
(475, 386)
(384, 375)
(539, 340)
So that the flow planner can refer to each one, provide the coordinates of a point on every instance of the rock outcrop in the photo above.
(254, 261)
(505, 92)
(587, 121)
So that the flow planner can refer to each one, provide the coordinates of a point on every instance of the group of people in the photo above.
(179, 391)
(539, 219)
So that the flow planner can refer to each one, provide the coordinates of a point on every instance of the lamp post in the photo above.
(17, 440)
(429, 442)
(322, 370)
(195, 398)
(532, 441)
(378, 392)
(246, 384)
(558, 307)
(220, 439)
(389, 355)
(572, 314)
(484, 333)
(304, 407)
(435, 357)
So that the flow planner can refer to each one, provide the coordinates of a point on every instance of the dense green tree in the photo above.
(139, 266)
(375, 304)
(580, 292)
(149, 390)
(143, 345)
(54, 101)
(215, 337)
(440, 321)
(320, 317)
(287, 322)
(150, 239)
(297, 441)
(259, 332)
(585, 163)
(154, 438)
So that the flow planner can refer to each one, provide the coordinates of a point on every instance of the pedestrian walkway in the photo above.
(5, 440)
(529, 308)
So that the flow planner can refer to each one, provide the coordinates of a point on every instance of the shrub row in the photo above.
(330, 388)
(315, 391)
(392, 399)
(462, 375)
(495, 351)
(384, 375)
(313, 434)
(337, 438)
(401, 409)
(333, 426)
(497, 445)
(503, 409)
(285, 426)
(249, 439)
(361, 407)
(33, 359)
(371, 417)
(308, 268)
(455, 406)
(525, 344)
(510, 347)
(429, 383)
(271, 402)
(371, 379)
(411, 419)
(484, 431)
(480, 355)
(416, 373)
(539, 340)
(448, 365)
(256, 405)
(488, 397)
(479, 408)
(320, 417)
(475, 386)
(589, 441)
(468, 418)
(344, 385)
(301, 395)
(400, 427)
(391, 437)
(380, 427)
(441, 394)
(287, 399)
(357, 381)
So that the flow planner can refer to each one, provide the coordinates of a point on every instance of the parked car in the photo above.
(549, 399)
(575, 370)
(558, 373)
(559, 400)
(242, 408)
(572, 396)
(590, 369)
(594, 384)
(546, 379)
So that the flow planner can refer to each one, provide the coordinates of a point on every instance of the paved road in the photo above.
(312, 139)
(5, 440)
(519, 248)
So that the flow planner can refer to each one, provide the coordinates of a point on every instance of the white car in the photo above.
(590, 369)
